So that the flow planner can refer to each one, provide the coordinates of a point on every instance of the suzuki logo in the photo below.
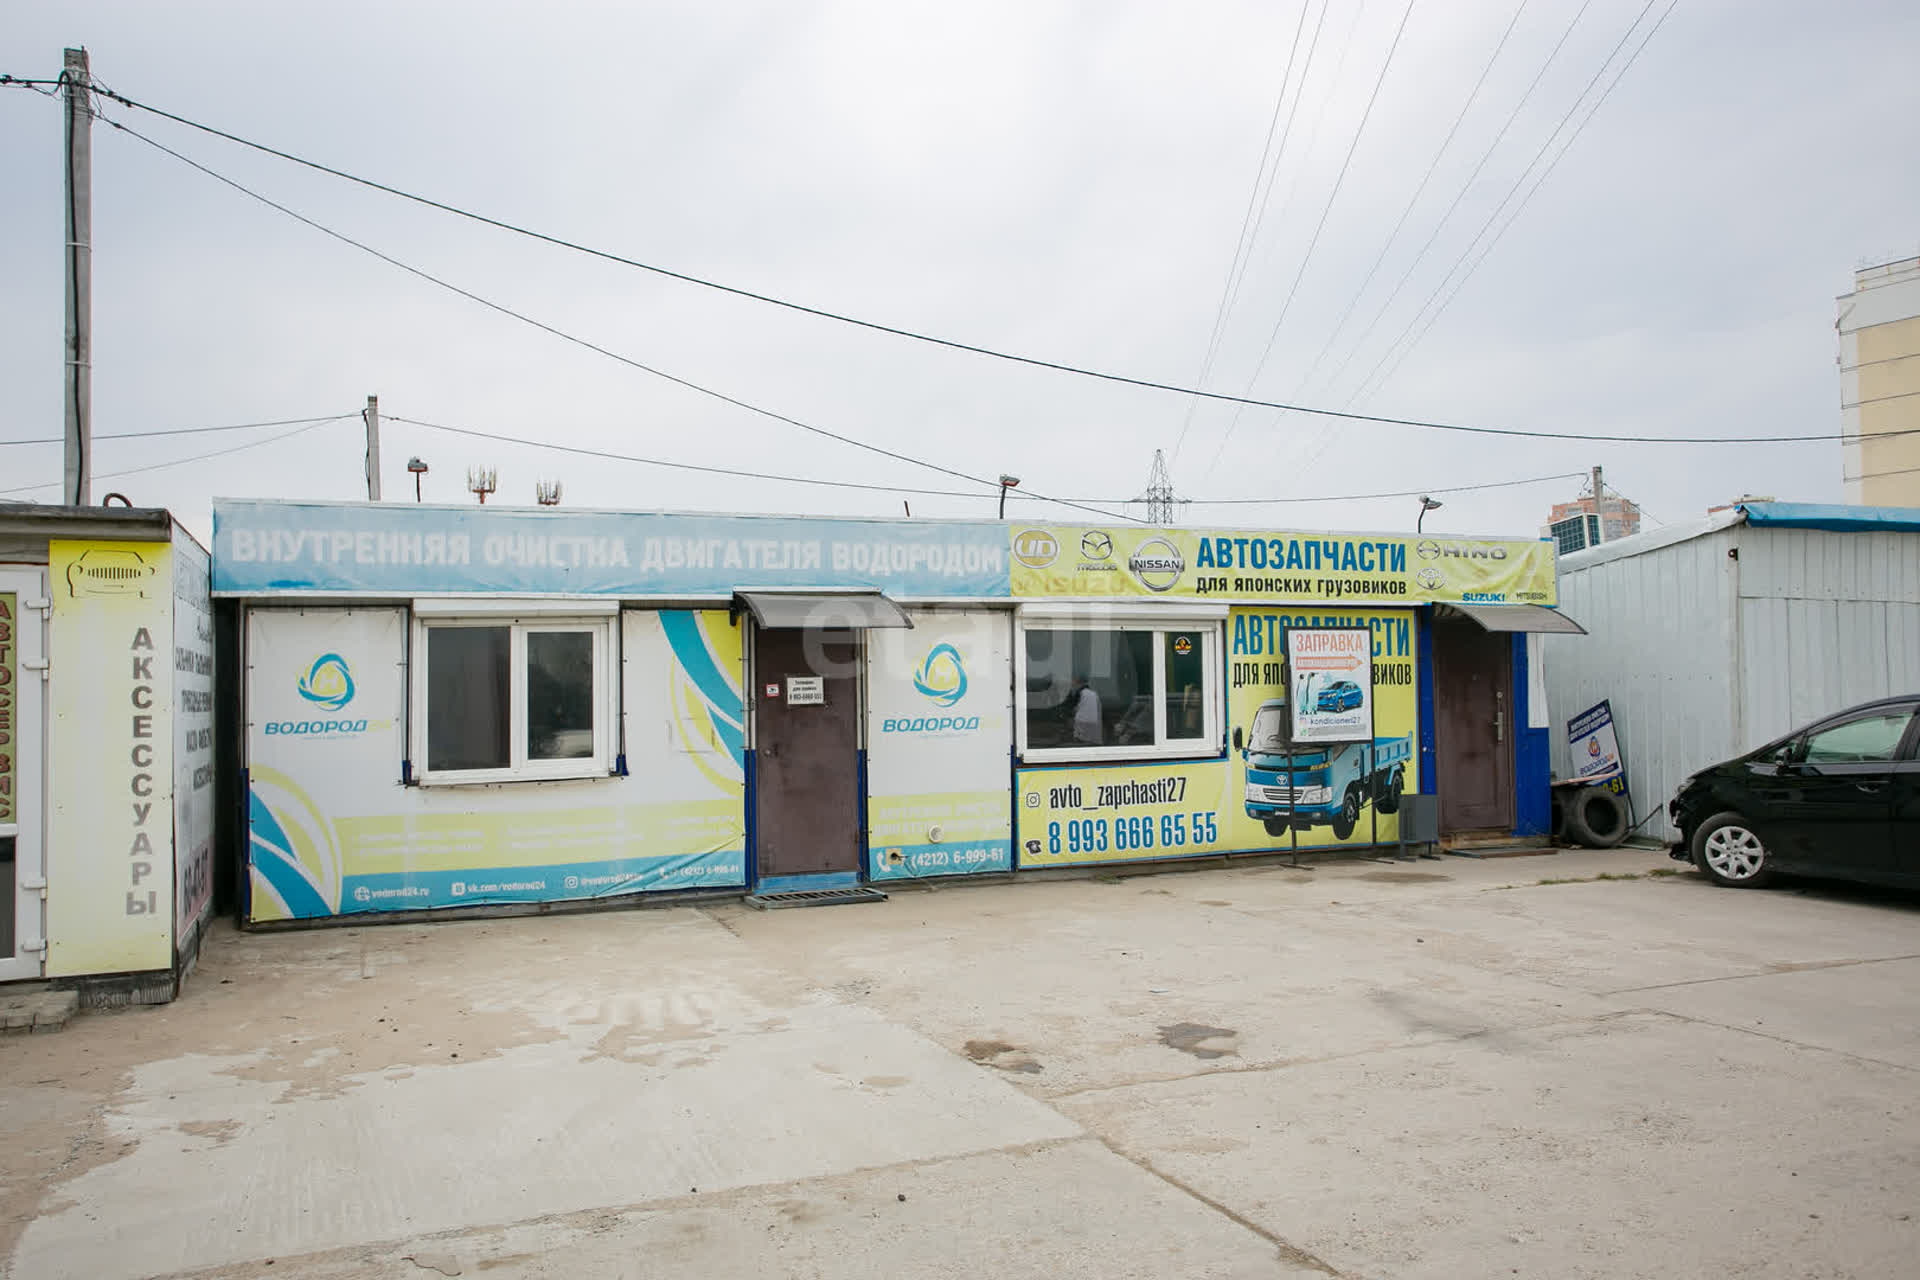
(328, 682)
(942, 676)
(1035, 548)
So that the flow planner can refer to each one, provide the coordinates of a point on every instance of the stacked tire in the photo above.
(1591, 816)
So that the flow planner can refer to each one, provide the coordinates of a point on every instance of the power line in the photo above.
(187, 431)
(1319, 227)
(693, 466)
(954, 493)
(1243, 245)
(1459, 196)
(180, 462)
(1419, 190)
(568, 337)
(1036, 362)
(1364, 497)
(1522, 179)
(1537, 184)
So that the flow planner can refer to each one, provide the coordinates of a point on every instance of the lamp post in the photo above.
(419, 469)
(1006, 482)
(1426, 504)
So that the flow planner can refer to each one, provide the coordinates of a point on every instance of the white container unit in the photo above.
(1718, 637)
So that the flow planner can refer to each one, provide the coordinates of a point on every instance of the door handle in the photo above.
(1500, 726)
(1871, 788)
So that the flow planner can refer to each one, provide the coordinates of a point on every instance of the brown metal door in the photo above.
(1472, 729)
(807, 770)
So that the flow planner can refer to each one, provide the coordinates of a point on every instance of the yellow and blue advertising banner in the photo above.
(939, 719)
(333, 830)
(110, 881)
(1082, 561)
(1269, 793)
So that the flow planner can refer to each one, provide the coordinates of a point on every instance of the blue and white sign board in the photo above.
(1591, 744)
(394, 549)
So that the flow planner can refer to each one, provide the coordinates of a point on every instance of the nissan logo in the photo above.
(1158, 564)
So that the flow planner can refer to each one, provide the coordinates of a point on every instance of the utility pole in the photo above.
(1599, 513)
(371, 416)
(76, 83)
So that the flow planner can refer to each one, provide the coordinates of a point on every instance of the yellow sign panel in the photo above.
(1269, 793)
(1344, 569)
(110, 873)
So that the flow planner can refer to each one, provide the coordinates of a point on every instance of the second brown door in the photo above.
(1473, 735)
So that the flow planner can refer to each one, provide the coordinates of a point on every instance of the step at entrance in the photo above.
(815, 897)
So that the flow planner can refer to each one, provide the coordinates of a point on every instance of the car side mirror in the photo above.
(1239, 740)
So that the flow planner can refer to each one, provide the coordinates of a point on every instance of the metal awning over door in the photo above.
(834, 611)
(1514, 617)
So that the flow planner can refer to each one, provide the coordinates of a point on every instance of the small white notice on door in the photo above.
(806, 691)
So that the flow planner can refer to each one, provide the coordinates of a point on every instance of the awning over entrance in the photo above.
(836, 611)
(1515, 617)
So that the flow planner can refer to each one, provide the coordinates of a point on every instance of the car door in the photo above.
(1905, 816)
(1832, 799)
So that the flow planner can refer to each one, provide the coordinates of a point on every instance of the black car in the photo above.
(1840, 797)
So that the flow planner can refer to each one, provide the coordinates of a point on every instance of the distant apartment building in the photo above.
(1879, 329)
(1588, 522)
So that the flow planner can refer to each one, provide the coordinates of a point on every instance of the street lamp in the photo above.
(1426, 504)
(419, 469)
(1006, 482)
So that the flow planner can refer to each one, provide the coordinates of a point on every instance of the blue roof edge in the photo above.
(1833, 517)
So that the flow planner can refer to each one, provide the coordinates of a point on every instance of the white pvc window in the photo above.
(1092, 690)
(504, 699)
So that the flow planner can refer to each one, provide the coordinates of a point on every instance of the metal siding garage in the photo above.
(1706, 653)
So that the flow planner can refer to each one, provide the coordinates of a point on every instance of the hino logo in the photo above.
(1428, 549)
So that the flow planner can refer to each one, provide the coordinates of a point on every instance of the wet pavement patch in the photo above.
(1002, 1056)
(1191, 1037)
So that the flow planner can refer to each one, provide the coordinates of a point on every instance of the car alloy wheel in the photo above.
(1735, 853)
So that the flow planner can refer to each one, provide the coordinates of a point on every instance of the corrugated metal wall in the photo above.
(1826, 620)
(1660, 645)
(1705, 656)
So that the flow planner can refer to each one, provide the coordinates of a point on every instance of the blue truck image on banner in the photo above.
(1310, 785)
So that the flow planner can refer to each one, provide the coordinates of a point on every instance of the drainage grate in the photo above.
(815, 898)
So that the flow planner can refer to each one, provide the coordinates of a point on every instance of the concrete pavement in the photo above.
(1417, 1069)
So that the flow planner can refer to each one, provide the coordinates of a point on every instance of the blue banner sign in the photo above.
(272, 548)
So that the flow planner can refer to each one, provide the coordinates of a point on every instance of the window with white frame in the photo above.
(505, 698)
(1092, 689)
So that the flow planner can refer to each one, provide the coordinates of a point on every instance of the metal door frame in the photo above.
(1503, 691)
(750, 649)
(29, 585)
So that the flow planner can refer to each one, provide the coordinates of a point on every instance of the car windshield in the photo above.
(1269, 734)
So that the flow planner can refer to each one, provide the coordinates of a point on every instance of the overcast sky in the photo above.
(1064, 181)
